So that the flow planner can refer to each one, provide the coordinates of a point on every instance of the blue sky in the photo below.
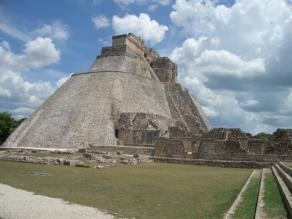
(234, 56)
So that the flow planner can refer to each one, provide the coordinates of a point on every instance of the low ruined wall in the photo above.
(245, 157)
(124, 149)
(176, 132)
(218, 163)
(138, 137)
(180, 147)
(211, 146)
(169, 148)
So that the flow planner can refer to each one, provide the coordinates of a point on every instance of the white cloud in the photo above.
(249, 103)
(23, 110)
(225, 63)
(237, 60)
(7, 27)
(249, 27)
(9, 59)
(4, 92)
(223, 108)
(18, 95)
(142, 26)
(163, 2)
(124, 2)
(100, 21)
(188, 51)
(56, 31)
(152, 7)
(61, 81)
(14, 32)
(144, 2)
(41, 52)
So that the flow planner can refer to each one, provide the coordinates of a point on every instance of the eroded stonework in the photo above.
(227, 144)
(129, 96)
(129, 102)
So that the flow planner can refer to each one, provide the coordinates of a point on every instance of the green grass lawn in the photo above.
(152, 190)
(289, 164)
(274, 207)
(246, 208)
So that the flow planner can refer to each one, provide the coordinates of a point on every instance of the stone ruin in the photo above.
(228, 144)
(128, 97)
(129, 100)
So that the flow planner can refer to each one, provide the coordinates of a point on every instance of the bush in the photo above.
(7, 125)
(263, 135)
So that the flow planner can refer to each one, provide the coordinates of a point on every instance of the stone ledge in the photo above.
(287, 169)
(284, 191)
(111, 71)
(57, 150)
(124, 149)
(219, 163)
(285, 176)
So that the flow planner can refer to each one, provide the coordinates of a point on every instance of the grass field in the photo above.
(153, 190)
(289, 164)
(246, 208)
(274, 207)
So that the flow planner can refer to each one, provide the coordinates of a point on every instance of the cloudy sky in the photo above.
(235, 56)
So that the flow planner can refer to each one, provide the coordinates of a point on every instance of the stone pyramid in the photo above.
(129, 96)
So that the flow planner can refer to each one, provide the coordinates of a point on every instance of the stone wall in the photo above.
(169, 148)
(225, 144)
(220, 163)
(245, 157)
(165, 69)
(144, 121)
(212, 146)
(125, 64)
(177, 132)
(137, 137)
(131, 41)
(185, 109)
(150, 55)
(180, 148)
(256, 146)
(225, 134)
(123, 149)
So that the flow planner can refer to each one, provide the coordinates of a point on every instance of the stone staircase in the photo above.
(283, 176)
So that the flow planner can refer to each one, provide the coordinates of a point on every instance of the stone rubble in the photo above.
(83, 160)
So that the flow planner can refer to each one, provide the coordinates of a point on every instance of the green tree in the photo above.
(263, 135)
(7, 125)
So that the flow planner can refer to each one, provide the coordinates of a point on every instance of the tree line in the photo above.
(7, 125)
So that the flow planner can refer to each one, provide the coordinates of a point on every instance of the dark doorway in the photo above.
(117, 133)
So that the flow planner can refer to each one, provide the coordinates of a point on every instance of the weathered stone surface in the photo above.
(165, 69)
(91, 107)
(225, 134)
(75, 160)
(107, 156)
(220, 163)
